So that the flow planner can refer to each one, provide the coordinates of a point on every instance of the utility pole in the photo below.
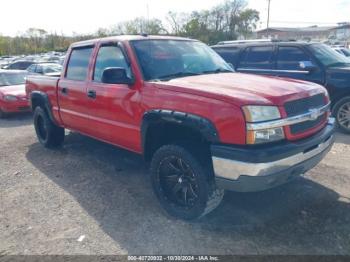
(268, 16)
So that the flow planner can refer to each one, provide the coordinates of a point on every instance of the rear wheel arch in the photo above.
(41, 99)
(161, 127)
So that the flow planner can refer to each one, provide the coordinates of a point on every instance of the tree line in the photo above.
(227, 21)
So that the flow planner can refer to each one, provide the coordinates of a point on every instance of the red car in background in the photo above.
(12, 92)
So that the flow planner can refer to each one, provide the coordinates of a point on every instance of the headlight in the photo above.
(10, 98)
(256, 114)
(261, 113)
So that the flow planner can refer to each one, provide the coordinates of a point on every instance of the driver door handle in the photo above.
(91, 94)
(64, 90)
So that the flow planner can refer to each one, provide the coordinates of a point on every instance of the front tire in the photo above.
(183, 186)
(341, 111)
(49, 135)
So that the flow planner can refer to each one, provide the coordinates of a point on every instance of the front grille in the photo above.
(302, 106)
(304, 126)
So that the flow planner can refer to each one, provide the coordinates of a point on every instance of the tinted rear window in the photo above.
(78, 64)
(258, 57)
(229, 54)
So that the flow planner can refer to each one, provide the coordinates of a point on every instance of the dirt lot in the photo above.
(101, 195)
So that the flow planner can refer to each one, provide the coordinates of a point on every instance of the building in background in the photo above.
(332, 34)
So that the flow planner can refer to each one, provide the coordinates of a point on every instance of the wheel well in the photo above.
(159, 134)
(337, 98)
(38, 101)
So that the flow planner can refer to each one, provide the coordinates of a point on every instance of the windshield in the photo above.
(11, 79)
(346, 51)
(167, 59)
(328, 56)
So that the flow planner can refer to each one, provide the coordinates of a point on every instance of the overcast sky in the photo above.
(68, 16)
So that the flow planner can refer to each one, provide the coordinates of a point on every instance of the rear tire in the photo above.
(341, 112)
(49, 135)
(182, 184)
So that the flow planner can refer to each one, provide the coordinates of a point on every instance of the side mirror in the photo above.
(307, 66)
(116, 75)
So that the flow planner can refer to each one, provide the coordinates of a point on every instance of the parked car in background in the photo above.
(314, 62)
(342, 50)
(49, 69)
(12, 92)
(19, 65)
(175, 101)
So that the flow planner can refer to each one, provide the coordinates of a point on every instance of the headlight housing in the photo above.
(10, 98)
(257, 114)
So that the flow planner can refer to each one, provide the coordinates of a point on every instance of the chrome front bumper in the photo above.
(311, 153)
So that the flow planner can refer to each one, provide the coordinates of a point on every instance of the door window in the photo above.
(258, 57)
(79, 64)
(289, 58)
(109, 56)
(229, 54)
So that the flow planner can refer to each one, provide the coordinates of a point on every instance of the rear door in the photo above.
(257, 60)
(288, 61)
(72, 96)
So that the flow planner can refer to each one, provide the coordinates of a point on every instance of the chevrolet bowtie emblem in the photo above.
(314, 113)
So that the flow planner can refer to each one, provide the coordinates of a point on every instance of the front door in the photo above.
(288, 64)
(113, 107)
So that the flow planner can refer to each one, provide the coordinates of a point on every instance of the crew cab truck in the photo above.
(203, 127)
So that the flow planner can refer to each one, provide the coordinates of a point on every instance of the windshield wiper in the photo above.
(175, 75)
(217, 71)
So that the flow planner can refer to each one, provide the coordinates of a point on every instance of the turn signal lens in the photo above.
(265, 136)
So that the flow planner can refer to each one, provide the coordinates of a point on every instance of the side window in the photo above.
(229, 54)
(31, 68)
(79, 64)
(258, 57)
(109, 56)
(39, 69)
(288, 58)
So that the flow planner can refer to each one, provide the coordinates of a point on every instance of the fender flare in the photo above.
(204, 126)
(44, 101)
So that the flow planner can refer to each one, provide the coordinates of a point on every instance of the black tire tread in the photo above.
(55, 133)
(214, 195)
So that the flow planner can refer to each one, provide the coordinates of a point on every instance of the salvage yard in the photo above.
(91, 198)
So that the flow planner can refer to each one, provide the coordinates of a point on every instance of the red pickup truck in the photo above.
(203, 127)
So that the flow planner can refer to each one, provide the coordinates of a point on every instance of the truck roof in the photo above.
(130, 38)
(264, 43)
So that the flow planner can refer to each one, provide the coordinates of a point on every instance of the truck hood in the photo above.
(16, 90)
(244, 89)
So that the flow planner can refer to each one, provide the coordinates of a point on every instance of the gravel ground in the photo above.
(92, 198)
